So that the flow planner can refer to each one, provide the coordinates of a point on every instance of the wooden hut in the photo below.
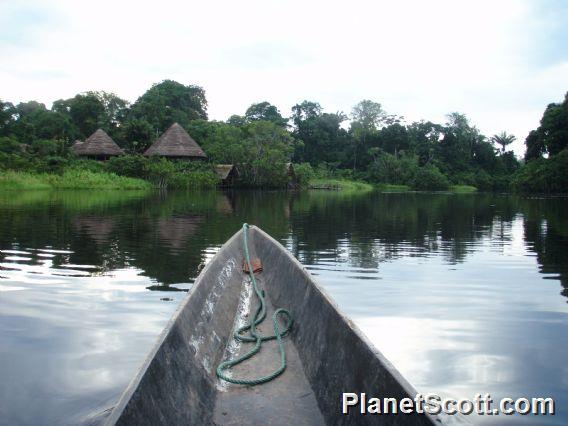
(175, 143)
(228, 174)
(98, 146)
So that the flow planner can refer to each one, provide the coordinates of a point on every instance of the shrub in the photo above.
(483, 181)
(544, 175)
(392, 170)
(429, 178)
(128, 165)
(304, 174)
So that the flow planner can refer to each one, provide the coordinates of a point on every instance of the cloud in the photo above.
(501, 63)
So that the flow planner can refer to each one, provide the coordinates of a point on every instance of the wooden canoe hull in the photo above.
(177, 383)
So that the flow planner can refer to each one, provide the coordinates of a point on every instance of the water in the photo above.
(464, 294)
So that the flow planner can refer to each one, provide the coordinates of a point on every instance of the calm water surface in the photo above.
(464, 294)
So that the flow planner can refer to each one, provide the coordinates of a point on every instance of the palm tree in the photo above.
(503, 139)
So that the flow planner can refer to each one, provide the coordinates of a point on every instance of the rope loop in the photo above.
(253, 336)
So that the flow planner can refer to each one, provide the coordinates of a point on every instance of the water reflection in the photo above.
(460, 292)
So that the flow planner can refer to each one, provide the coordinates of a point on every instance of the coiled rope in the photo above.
(253, 336)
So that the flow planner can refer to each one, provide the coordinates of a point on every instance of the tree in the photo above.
(458, 145)
(424, 140)
(267, 149)
(503, 139)
(554, 127)
(168, 102)
(35, 121)
(394, 138)
(319, 135)
(535, 146)
(264, 111)
(305, 111)
(7, 113)
(86, 111)
(135, 135)
(237, 120)
(552, 135)
(368, 115)
(116, 108)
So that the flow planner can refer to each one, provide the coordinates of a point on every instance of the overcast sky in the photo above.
(499, 62)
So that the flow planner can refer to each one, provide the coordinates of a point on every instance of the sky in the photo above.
(499, 62)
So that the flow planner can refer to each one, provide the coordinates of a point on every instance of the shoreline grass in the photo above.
(339, 185)
(71, 179)
(387, 187)
(463, 189)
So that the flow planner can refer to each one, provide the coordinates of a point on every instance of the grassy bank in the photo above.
(387, 187)
(71, 179)
(339, 185)
(463, 189)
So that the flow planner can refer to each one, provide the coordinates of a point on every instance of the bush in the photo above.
(391, 170)
(304, 174)
(483, 181)
(70, 179)
(544, 175)
(129, 165)
(429, 178)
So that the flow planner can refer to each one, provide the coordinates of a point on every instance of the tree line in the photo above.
(367, 144)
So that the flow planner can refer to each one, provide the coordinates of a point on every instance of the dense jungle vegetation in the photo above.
(368, 145)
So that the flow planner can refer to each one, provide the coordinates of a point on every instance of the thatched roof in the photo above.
(76, 145)
(224, 170)
(99, 143)
(175, 142)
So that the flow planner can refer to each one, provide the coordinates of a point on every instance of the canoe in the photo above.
(326, 354)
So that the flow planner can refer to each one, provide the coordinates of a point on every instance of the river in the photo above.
(464, 294)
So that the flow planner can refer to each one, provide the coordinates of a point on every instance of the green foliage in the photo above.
(266, 150)
(368, 115)
(7, 114)
(463, 188)
(430, 178)
(304, 174)
(503, 139)
(548, 175)
(386, 168)
(128, 165)
(11, 145)
(84, 179)
(319, 136)
(15, 181)
(385, 187)
(340, 185)
(135, 135)
(87, 112)
(168, 102)
(264, 111)
(552, 135)
(376, 146)
(164, 173)
(237, 120)
(71, 179)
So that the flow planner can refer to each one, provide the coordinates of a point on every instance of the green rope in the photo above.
(259, 316)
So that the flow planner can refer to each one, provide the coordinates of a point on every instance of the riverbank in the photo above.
(71, 179)
(85, 179)
(351, 185)
(339, 185)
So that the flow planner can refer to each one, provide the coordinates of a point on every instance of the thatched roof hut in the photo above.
(176, 143)
(99, 146)
(228, 174)
(76, 145)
